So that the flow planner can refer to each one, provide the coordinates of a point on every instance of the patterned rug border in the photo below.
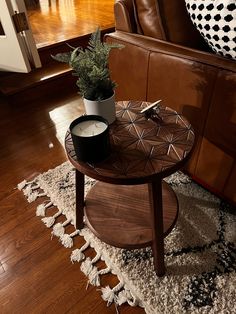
(125, 290)
(31, 190)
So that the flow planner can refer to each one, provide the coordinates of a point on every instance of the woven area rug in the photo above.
(199, 253)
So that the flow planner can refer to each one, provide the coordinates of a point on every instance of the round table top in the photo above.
(141, 150)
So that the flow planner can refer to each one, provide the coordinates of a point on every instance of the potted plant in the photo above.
(94, 81)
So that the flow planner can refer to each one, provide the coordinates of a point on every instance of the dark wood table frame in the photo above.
(131, 206)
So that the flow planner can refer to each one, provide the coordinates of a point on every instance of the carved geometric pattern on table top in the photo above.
(141, 147)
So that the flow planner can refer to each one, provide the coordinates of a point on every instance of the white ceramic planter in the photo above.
(105, 108)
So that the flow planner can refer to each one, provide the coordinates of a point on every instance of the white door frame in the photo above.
(18, 52)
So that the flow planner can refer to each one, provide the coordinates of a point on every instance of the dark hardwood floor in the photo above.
(36, 273)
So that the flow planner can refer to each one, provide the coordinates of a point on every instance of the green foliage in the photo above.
(91, 67)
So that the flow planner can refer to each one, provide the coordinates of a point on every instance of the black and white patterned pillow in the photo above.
(216, 21)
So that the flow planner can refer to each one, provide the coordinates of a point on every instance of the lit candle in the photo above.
(90, 136)
(89, 128)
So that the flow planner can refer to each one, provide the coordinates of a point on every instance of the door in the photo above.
(18, 52)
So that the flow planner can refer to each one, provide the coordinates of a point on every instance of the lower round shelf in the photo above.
(119, 215)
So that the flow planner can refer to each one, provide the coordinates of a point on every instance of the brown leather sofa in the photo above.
(166, 58)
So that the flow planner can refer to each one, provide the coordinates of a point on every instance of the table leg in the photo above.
(155, 196)
(79, 185)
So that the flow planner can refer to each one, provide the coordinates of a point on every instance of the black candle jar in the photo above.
(90, 136)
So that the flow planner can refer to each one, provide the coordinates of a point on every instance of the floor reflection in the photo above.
(62, 117)
(54, 21)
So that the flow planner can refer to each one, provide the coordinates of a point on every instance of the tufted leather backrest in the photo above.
(167, 20)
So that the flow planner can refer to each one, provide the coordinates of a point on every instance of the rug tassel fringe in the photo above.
(67, 239)
(29, 189)
(122, 297)
(77, 255)
(59, 228)
(34, 187)
(94, 276)
(41, 209)
(110, 295)
(23, 184)
(126, 296)
(49, 221)
(32, 196)
(90, 270)
(87, 266)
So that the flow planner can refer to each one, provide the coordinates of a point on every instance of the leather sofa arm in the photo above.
(155, 45)
(124, 16)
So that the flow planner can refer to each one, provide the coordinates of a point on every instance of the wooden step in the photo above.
(39, 84)
(53, 72)
(19, 82)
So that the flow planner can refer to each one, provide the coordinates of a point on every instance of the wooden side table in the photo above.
(131, 207)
